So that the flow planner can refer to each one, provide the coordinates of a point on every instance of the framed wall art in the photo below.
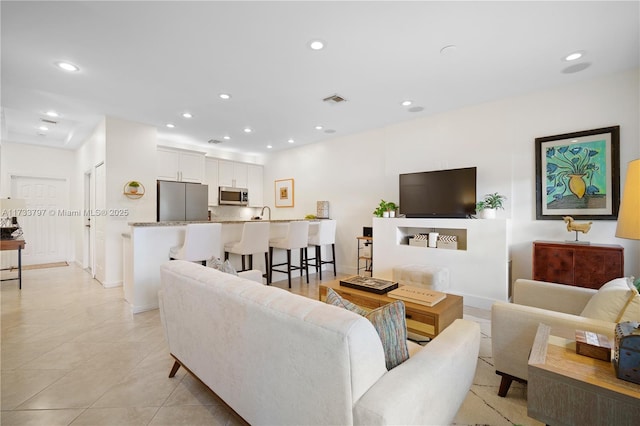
(284, 193)
(578, 175)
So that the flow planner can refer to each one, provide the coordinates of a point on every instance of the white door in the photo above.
(99, 224)
(46, 224)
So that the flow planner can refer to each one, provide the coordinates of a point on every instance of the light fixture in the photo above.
(629, 213)
(318, 127)
(316, 44)
(448, 50)
(43, 128)
(269, 146)
(224, 96)
(67, 66)
(406, 103)
(171, 125)
(248, 130)
(291, 141)
(187, 115)
(52, 114)
(226, 138)
(573, 56)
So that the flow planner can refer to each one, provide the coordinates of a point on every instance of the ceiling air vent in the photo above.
(334, 99)
(53, 123)
(216, 141)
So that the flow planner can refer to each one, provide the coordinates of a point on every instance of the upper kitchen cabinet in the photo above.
(255, 185)
(232, 174)
(211, 179)
(180, 165)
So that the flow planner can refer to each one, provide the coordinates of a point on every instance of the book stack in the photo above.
(421, 296)
(372, 285)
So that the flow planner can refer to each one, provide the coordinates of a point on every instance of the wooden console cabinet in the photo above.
(582, 265)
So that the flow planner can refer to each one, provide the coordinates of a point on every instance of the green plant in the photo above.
(134, 184)
(491, 201)
(385, 206)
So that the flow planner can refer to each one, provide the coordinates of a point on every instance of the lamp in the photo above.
(629, 214)
(9, 208)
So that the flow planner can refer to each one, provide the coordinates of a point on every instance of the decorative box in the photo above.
(447, 242)
(593, 345)
(419, 240)
(626, 352)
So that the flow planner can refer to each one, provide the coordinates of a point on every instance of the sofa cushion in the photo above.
(615, 301)
(388, 320)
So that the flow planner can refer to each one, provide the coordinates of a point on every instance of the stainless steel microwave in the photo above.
(233, 196)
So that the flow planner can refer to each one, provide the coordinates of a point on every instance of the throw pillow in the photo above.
(221, 266)
(614, 301)
(388, 320)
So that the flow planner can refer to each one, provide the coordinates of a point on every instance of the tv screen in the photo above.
(439, 193)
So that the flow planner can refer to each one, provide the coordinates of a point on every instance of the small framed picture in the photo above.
(578, 175)
(284, 193)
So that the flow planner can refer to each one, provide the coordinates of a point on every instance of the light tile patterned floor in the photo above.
(73, 354)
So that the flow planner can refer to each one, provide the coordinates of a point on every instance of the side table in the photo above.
(17, 244)
(565, 388)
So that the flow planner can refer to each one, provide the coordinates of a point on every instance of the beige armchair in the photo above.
(514, 325)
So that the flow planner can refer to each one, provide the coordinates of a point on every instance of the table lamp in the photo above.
(629, 214)
(8, 211)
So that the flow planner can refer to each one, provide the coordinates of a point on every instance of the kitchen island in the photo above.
(147, 245)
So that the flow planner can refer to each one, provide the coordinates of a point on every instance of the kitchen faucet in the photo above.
(262, 212)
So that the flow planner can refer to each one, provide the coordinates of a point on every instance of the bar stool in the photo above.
(324, 233)
(254, 239)
(201, 243)
(297, 237)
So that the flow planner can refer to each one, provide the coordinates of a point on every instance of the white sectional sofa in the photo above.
(279, 358)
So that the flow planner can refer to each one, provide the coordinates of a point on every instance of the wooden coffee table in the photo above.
(423, 320)
(571, 389)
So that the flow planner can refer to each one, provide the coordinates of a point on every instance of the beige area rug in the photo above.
(44, 266)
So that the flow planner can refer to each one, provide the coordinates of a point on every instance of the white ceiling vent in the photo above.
(334, 99)
(53, 123)
(216, 141)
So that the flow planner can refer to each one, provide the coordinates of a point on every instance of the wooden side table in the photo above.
(569, 389)
(14, 245)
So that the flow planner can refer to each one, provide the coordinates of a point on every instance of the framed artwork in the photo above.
(284, 193)
(578, 175)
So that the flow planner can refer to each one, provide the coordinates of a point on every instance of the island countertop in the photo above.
(223, 221)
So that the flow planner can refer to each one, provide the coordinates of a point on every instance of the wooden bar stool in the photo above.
(201, 243)
(297, 237)
(254, 239)
(322, 234)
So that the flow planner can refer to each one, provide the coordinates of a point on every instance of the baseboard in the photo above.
(475, 301)
(112, 284)
(140, 309)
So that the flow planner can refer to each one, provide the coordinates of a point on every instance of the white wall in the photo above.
(354, 172)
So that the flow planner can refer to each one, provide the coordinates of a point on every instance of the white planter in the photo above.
(487, 214)
(385, 214)
(392, 213)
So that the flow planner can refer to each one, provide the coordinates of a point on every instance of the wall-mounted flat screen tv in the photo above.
(439, 193)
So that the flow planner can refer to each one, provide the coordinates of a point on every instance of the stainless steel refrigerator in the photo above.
(182, 201)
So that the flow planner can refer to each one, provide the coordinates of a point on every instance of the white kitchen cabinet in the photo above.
(179, 165)
(233, 174)
(211, 179)
(255, 185)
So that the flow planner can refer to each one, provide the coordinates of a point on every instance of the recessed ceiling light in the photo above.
(226, 138)
(248, 130)
(316, 44)
(224, 96)
(171, 125)
(406, 103)
(43, 128)
(52, 114)
(573, 56)
(318, 127)
(291, 141)
(67, 66)
(187, 115)
(448, 50)
(269, 146)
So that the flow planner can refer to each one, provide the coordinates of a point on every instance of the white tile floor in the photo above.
(73, 354)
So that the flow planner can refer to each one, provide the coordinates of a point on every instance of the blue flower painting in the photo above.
(576, 175)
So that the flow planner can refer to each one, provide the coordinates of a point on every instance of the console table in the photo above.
(582, 265)
(14, 245)
(570, 389)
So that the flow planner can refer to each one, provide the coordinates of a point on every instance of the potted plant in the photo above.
(488, 206)
(386, 209)
(133, 186)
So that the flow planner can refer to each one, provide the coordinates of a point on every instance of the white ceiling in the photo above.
(151, 61)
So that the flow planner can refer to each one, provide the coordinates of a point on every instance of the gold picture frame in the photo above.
(284, 196)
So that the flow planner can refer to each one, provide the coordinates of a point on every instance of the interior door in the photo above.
(99, 224)
(46, 224)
